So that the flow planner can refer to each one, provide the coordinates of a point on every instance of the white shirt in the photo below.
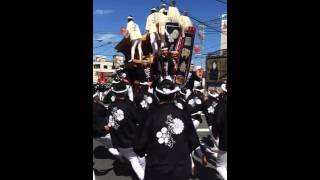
(185, 22)
(151, 24)
(134, 30)
(163, 19)
(173, 14)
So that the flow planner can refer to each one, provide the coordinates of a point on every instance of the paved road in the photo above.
(109, 168)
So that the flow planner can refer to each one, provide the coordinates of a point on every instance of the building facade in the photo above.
(223, 37)
(102, 65)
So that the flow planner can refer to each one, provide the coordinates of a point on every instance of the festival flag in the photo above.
(201, 34)
(197, 49)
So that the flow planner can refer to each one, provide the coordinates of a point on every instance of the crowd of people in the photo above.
(155, 128)
(145, 116)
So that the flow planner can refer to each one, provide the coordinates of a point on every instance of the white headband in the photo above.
(144, 83)
(215, 95)
(202, 90)
(122, 91)
(115, 82)
(182, 93)
(167, 91)
(224, 87)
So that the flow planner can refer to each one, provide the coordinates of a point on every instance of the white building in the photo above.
(223, 37)
(101, 65)
(99, 58)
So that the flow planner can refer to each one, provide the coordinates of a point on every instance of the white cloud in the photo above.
(108, 37)
(103, 11)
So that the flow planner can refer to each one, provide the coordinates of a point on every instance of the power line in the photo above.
(116, 33)
(224, 2)
(106, 44)
(214, 20)
(199, 21)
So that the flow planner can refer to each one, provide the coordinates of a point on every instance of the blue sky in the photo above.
(110, 15)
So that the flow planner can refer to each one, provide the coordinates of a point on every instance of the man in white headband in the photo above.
(196, 105)
(168, 137)
(151, 28)
(123, 124)
(163, 19)
(135, 37)
(145, 101)
(185, 22)
(173, 12)
(162, 8)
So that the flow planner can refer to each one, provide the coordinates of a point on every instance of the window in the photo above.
(105, 67)
(96, 66)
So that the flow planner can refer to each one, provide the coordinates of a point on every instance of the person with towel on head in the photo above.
(110, 96)
(163, 7)
(144, 100)
(167, 138)
(210, 105)
(135, 37)
(185, 22)
(151, 28)
(181, 100)
(101, 131)
(194, 79)
(123, 123)
(163, 19)
(196, 105)
(173, 12)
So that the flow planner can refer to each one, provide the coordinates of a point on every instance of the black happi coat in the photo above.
(102, 88)
(138, 73)
(167, 137)
(155, 72)
(95, 88)
(145, 103)
(170, 68)
(196, 104)
(219, 123)
(124, 120)
(100, 119)
(109, 98)
(181, 103)
(210, 107)
(191, 78)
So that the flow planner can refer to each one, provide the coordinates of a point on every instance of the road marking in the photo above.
(203, 130)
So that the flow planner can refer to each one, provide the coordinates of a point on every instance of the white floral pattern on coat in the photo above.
(179, 105)
(192, 102)
(146, 102)
(116, 117)
(174, 126)
(113, 98)
(211, 108)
